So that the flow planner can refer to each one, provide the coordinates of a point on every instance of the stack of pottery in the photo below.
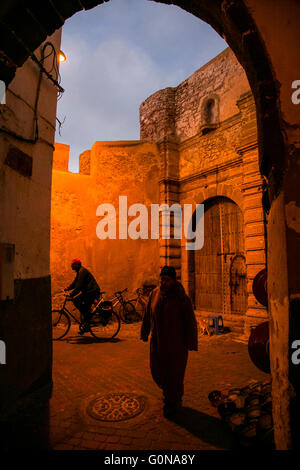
(248, 412)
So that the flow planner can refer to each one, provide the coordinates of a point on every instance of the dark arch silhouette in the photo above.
(25, 25)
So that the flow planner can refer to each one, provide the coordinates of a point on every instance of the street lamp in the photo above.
(61, 57)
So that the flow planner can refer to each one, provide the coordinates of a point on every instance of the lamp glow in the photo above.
(61, 57)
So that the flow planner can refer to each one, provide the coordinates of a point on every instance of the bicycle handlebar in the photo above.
(121, 291)
(68, 296)
(65, 293)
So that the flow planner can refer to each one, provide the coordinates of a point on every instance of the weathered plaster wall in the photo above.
(25, 200)
(130, 168)
(279, 35)
(61, 156)
(25, 196)
(85, 163)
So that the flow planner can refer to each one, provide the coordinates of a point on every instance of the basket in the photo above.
(105, 309)
(106, 305)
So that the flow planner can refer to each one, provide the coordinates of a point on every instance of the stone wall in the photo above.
(184, 158)
(157, 115)
(209, 159)
(179, 111)
(130, 168)
(61, 156)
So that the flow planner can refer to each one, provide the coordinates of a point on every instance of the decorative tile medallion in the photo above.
(116, 406)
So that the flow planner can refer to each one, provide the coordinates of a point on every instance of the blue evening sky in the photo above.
(118, 54)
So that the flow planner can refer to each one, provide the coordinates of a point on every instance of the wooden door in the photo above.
(238, 284)
(220, 275)
(208, 269)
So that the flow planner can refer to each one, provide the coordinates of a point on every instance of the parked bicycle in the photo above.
(126, 309)
(140, 303)
(104, 322)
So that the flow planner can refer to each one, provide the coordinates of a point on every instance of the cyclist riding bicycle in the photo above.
(85, 289)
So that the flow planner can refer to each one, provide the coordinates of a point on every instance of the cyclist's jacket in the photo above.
(84, 282)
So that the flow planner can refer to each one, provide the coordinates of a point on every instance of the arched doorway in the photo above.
(220, 267)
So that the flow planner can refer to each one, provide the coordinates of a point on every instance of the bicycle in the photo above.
(104, 322)
(140, 302)
(127, 312)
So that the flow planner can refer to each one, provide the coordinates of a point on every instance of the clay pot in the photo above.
(226, 409)
(252, 400)
(253, 411)
(216, 397)
(236, 420)
(248, 412)
(267, 407)
(248, 431)
(239, 401)
(264, 422)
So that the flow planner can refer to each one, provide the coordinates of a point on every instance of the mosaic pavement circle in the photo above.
(116, 406)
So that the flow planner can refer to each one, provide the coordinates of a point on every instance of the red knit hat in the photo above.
(75, 261)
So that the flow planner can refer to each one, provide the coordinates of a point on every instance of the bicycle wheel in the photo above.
(129, 313)
(103, 328)
(60, 324)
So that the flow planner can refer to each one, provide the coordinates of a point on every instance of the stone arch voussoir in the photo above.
(224, 190)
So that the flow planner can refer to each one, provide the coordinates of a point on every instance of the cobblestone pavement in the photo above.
(84, 368)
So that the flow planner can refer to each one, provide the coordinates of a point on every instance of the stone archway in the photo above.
(221, 190)
(218, 274)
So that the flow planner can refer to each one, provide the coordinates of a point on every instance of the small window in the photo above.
(209, 111)
(210, 114)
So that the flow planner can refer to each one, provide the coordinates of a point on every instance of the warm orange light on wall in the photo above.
(61, 57)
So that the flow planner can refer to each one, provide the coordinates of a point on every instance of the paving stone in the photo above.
(124, 366)
(112, 439)
(81, 371)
